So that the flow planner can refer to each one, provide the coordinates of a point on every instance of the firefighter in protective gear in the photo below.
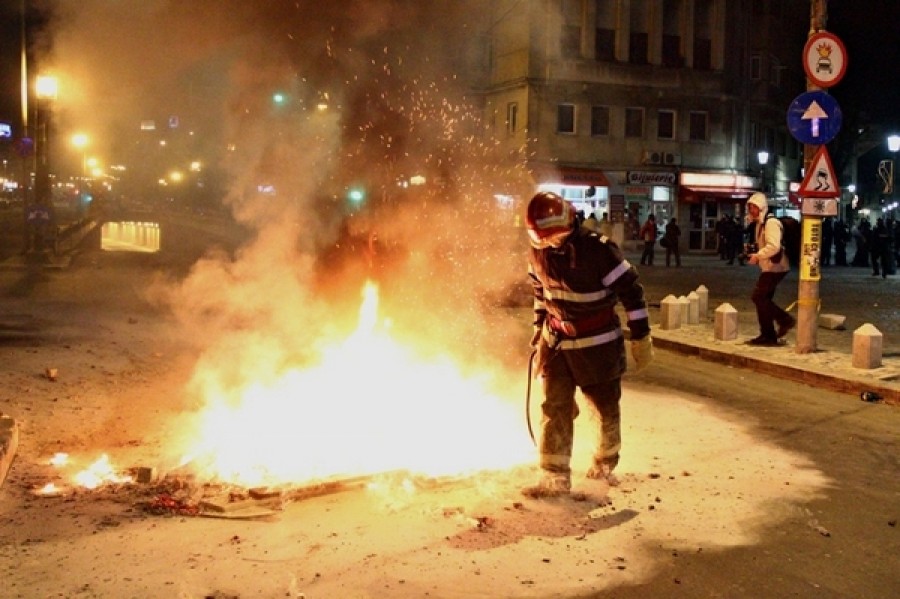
(578, 277)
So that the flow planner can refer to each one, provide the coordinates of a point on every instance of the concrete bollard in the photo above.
(685, 304)
(669, 313)
(694, 308)
(726, 324)
(834, 322)
(703, 294)
(867, 347)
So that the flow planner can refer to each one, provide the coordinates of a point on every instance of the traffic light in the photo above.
(356, 194)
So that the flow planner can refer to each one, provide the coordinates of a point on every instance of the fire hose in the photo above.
(528, 396)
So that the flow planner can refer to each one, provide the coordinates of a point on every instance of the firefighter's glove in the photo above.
(642, 352)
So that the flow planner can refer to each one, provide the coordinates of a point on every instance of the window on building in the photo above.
(605, 45)
(672, 55)
(634, 122)
(570, 41)
(665, 127)
(756, 67)
(512, 118)
(671, 51)
(639, 15)
(599, 120)
(605, 26)
(565, 118)
(570, 36)
(699, 126)
(638, 48)
(703, 54)
(703, 19)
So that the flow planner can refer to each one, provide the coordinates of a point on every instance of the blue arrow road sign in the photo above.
(814, 118)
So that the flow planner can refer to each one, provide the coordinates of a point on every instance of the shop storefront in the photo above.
(705, 200)
(587, 189)
(646, 193)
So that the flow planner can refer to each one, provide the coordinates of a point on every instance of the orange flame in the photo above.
(368, 406)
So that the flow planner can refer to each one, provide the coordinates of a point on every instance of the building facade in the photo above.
(637, 107)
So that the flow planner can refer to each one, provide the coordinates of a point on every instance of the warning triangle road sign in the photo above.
(820, 181)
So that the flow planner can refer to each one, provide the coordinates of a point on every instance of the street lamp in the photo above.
(38, 215)
(46, 89)
(893, 142)
(763, 158)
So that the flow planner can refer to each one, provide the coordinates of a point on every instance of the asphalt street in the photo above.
(738, 482)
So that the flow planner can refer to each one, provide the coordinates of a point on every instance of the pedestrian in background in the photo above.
(841, 238)
(861, 234)
(648, 234)
(773, 266)
(670, 242)
(882, 262)
(578, 278)
(736, 235)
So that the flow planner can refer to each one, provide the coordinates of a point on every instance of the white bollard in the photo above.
(694, 308)
(685, 304)
(703, 294)
(867, 347)
(726, 325)
(669, 313)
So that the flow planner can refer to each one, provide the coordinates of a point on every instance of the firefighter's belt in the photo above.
(582, 326)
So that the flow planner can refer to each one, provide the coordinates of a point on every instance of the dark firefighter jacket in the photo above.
(576, 289)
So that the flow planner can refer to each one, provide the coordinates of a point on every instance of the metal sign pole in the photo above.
(808, 286)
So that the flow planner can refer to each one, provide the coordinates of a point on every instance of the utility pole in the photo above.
(808, 289)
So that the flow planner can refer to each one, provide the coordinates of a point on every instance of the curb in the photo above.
(807, 376)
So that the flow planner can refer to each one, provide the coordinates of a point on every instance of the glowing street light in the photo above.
(763, 157)
(893, 142)
(46, 87)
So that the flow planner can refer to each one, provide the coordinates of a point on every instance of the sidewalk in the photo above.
(827, 369)
(847, 291)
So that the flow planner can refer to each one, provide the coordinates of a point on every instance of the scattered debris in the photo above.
(144, 475)
(820, 529)
(870, 396)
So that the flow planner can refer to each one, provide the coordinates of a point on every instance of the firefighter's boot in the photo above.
(550, 485)
(603, 471)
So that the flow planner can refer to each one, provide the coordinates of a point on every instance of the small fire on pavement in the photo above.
(368, 405)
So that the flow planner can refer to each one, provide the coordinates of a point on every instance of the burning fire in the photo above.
(369, 406)
(100, 472)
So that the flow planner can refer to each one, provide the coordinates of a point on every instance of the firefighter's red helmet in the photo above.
(550, 219)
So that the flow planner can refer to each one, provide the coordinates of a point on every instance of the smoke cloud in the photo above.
(376, 94)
